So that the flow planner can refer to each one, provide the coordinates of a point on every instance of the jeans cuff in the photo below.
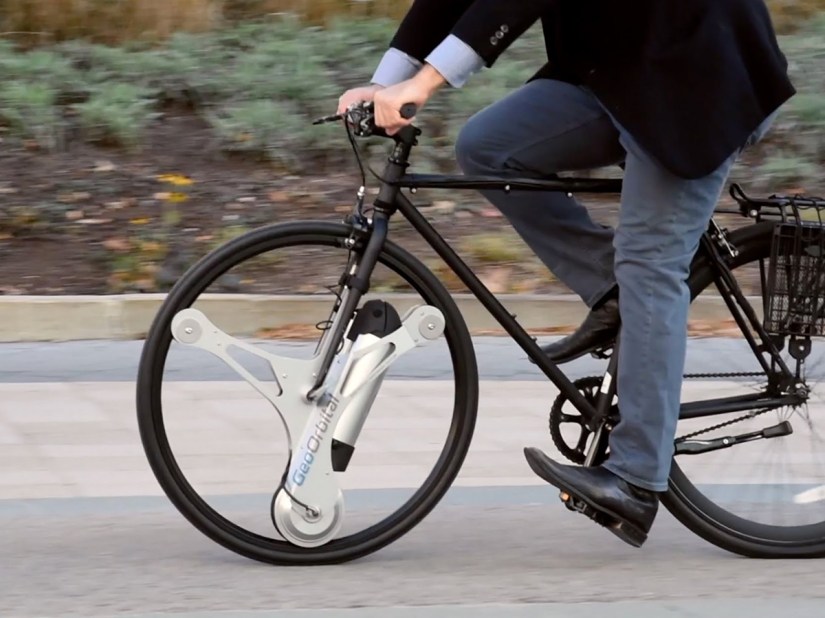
(634, 480)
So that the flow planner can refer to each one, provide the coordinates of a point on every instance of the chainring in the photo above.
(589, 388)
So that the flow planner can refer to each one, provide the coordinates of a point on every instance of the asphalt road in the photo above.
(491, 550)
(500, 553)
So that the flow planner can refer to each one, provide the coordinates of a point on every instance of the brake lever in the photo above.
(407, 111)
(326, 119)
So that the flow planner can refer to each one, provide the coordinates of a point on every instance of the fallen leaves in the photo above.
(178, 180)
(301, 332)
(696, 329)
(119, 245)
(104, 166)
(721, 328)
(173, 197)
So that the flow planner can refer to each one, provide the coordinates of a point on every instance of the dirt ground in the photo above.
(95, 220)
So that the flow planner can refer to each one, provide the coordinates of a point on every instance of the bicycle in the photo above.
(323, 401)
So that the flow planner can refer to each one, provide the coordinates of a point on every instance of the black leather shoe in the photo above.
(599, 329)
(624, 509)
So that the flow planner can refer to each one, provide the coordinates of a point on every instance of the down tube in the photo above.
(492, 304)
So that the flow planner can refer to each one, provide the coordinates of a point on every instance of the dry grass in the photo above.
(316, 11)
(111, 21)
(108, 21)
(790, 14)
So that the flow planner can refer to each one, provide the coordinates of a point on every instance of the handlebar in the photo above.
(361, 116)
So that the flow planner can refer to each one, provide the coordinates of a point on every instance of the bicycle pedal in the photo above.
(577, 506)
(629, 534)
(602, 353)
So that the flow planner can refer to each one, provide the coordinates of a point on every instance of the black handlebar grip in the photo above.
(408, 110)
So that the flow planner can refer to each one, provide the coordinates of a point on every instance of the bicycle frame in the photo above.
(391, 200)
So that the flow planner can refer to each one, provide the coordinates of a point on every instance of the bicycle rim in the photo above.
(197, 510)
(751, 498)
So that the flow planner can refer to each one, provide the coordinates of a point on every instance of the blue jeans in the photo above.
(547, 127)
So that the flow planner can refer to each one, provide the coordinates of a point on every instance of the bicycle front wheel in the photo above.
(219, 450)
(763, 498)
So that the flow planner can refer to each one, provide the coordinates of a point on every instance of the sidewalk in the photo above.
(65, 440)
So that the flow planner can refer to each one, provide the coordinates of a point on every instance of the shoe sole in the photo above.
(597, 352)
(615, 523)
(566, 359)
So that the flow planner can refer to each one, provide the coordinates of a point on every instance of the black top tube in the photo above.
(552, 184)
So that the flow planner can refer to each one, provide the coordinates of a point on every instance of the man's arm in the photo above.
(456, 37)
(454, 59)
(489, 27)
(426, 26)
(478, 37)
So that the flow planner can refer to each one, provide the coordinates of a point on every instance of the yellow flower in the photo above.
(175, 179)
(177, 198)
(140, 221)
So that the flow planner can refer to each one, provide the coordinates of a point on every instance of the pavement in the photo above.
(86, 531)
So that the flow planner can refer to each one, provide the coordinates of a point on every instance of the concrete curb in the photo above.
(129, 316)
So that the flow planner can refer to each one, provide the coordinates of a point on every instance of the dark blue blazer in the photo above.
(690, 79)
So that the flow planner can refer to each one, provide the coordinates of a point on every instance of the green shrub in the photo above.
(28, 110)
(116, 114)
(787, 168)
(260, 84)
(266, 127)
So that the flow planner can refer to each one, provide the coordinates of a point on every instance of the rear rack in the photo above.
(795, 286)
(793, 209)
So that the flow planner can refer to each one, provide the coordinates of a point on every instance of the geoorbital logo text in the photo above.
(313, 443)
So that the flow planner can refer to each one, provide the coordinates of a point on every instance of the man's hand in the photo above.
(418, 90)
(357, 95)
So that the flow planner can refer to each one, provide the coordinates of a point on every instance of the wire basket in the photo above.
(795, 294)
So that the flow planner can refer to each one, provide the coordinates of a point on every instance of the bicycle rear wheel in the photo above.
(181, 460)
(764, 498)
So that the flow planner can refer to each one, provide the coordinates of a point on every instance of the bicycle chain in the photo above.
(744, 374)
(746, 417)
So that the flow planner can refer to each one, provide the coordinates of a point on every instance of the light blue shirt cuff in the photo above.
(455, 60)
(395, 67)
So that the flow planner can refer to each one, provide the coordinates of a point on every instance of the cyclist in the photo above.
(672, 91)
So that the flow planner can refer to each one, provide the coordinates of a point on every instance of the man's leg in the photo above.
(543, 128)
(661, 221)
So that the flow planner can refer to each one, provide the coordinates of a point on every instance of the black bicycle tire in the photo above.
(224, 532)
(700, 514)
